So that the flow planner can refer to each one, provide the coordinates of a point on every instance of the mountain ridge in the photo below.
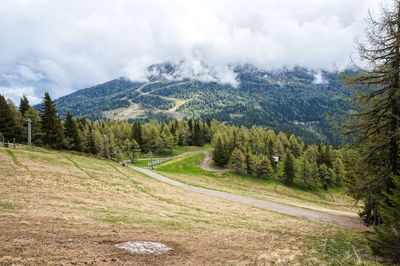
(295, 100)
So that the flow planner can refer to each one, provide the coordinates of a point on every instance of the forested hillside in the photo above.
(296, 101)
(251, 151)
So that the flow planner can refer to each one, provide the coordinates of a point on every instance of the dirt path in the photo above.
(342, 221)
(147, 84)
(205, 164)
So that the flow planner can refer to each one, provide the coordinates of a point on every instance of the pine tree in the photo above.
(339, 170)
(289, 170)
(51, 123)
(191, 129)
(386, 240)
(264, 168)
(251, 164)
(8, 123)
(173, 127)
(132, 148)
(375, 123)
(167, 138)
(137, 133)
(220, 155)
(208, 122)
(271, 148)
(295, 146)
(91, 143)
(24, 105)
(72, 137)
(237, 161)
(198, 139)
(324, 175)
(306, 171)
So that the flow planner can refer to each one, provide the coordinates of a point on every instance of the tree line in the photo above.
(252, 151)
(109, 139)
(244, 150)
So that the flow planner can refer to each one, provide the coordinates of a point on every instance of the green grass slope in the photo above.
(187, 170)
(61, 208)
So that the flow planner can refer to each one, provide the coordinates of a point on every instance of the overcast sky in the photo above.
(65, 45)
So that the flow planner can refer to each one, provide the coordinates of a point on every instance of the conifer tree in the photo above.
(51, 123)
(237, 161)
(375, 124)
(24, 105)
(324, 175)
(72, 137)
(251, 164)
(306, 171)
(339, 170)
(137, 133)
(190, 123)
(8, 123)
(90, 142)
(198, 139)
(294, 146)
(386, 240)
(289, 169)
(208, 122)
(264, 168)
(167, 138)
(220, 156)
(376, 128)
(132, 148)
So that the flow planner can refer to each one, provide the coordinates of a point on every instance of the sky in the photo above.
(62, 46)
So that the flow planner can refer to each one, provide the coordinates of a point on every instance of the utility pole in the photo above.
(29, 132)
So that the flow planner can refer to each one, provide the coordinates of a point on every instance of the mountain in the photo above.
(295, 100)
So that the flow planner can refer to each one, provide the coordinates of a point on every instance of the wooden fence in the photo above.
(159, 161)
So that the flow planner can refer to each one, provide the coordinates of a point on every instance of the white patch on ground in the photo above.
(144, 247)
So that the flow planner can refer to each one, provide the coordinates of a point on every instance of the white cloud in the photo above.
(318, 78)
(16, 93)
(27, 74)
(64, 45)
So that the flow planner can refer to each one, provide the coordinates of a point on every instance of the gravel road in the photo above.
(338, 220)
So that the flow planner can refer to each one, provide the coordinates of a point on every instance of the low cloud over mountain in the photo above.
(62, 46)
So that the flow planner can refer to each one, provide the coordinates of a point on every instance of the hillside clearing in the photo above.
(343, 221)
(186, 170)
(61, 208)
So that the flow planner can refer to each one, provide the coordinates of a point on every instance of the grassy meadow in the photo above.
(186, 170)
(61, 208)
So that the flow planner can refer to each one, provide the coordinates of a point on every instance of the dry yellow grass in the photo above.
(61, 208)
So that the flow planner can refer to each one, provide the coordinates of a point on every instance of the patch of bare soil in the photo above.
(29, 240)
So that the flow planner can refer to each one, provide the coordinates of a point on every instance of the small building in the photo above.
(275, 159)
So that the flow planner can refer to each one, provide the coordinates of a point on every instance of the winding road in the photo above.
(337, 220)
